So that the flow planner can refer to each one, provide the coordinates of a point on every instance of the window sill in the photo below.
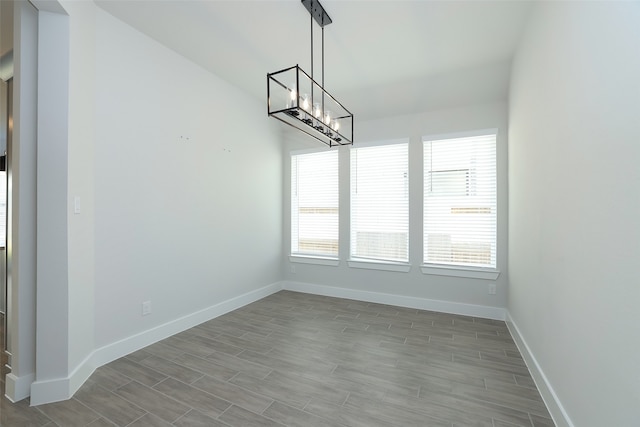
(457, 271)
(401, 267)
(317, 260)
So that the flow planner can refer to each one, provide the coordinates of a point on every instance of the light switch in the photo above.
(76, 205)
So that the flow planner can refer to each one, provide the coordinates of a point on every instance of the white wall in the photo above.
(574, 206)
(413, 284)
(188, 186)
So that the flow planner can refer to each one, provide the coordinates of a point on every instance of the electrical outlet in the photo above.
(146, 308)
(492, 289)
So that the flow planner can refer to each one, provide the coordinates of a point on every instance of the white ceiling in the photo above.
(382, 58)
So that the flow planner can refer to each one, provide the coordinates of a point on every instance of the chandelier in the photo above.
(295, 98)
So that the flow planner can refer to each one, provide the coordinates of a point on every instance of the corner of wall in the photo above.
(551, 400)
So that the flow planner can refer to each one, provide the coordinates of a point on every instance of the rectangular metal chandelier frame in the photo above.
(295, 98)
(305, 118)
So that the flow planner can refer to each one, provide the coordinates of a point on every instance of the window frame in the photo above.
(455, 270)
(355, 261)
(310, 258)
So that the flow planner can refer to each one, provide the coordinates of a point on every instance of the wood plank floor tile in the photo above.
(234, 394)
(499, 423)
(306, 386)
(481, 408)
(525, 381)
(353, 353)
(111, 406)
(214, 331)
(502, 398)
(243, 343)
(149, 420)
(201, 330)
(438, 410)
(401, 384)
(237, 364)
(139, 355)
(395, 414)
(109, 378)
(236, 416)
(205, 366)
(344, 415)
(101, 422)
(136, 371)
(191, 343)
(287, 362)
(540, 421)
(197, 419)
(258, 329)
(275, 391)
(339, 383)
(513, 388)
(69, 413)
(293, 417)
(490, 364)
(206, 403)
(163, 350)
(171, 369)
(470, 370)
(153, 401)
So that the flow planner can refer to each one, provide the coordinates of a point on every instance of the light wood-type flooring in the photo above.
(301, 360)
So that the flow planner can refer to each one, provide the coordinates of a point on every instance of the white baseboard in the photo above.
(60, 389)
(133, 343)
(18, 388)
(486, 312)
(556, 410)
(64, 388)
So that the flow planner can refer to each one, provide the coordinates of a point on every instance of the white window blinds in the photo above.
(460, 201)
(380, 202)
(314, 204)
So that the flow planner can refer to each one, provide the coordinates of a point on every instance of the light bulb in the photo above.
(316, 110)
(305, 102)
(336, 125)
(327, 117)
(292, 96)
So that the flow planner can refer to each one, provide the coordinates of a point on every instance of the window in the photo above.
(460, 201)
(314, 204)
(380, 202)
